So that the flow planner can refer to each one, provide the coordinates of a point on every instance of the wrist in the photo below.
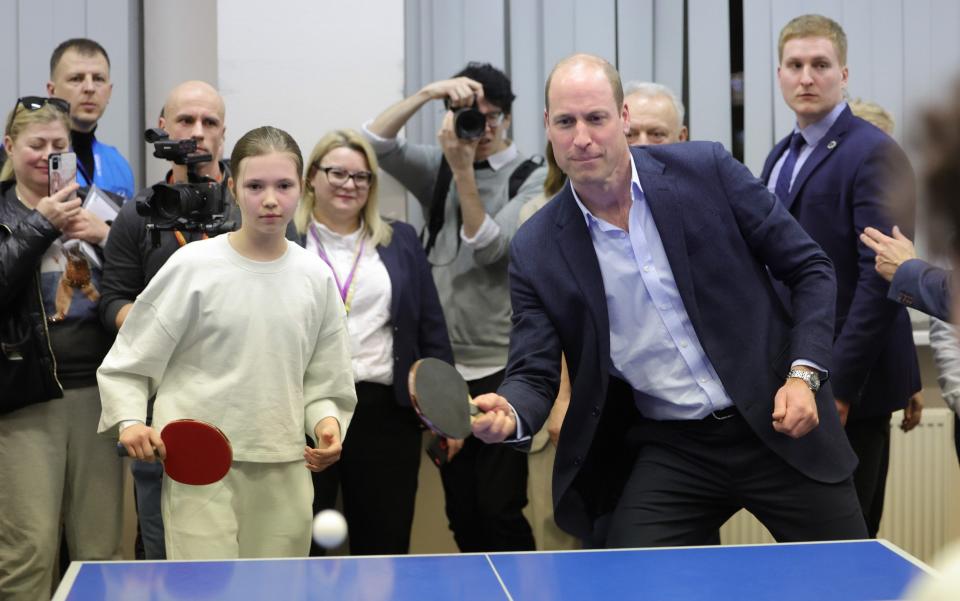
(808, 376)
(425, 95)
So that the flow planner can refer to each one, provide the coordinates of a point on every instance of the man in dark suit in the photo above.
(834, 173)
(693, 390)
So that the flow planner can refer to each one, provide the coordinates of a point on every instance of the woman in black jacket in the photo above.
(393, 317)
(52, 463)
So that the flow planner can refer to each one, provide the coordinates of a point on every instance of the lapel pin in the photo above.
(832, 145)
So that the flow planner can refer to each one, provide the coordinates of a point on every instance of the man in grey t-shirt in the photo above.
(471, 191)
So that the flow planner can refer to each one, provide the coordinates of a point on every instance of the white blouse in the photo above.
(368, 320)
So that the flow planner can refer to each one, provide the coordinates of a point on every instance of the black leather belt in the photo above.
(725, 413)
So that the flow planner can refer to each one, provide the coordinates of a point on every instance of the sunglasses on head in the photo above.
(35, 103)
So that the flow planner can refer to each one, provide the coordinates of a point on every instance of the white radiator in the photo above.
(922, 506)
(921, 503)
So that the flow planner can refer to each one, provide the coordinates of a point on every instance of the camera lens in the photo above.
(183, 201)
(55, 162)
(469, 123)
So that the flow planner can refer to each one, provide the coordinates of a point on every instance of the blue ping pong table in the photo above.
(841, 571)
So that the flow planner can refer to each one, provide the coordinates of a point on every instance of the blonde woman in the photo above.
(393, 318)
(52, 343)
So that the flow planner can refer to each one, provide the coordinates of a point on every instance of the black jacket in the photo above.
(27, 365)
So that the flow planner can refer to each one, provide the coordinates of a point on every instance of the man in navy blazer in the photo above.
(834, 174)
(692, 386)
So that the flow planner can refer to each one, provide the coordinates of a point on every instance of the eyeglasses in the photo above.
(35, 103)
(494, 118)
(338, 176)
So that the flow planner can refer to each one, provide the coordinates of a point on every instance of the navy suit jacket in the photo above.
(419, 329)
(924, 287)
(722, 231)
(841, 189)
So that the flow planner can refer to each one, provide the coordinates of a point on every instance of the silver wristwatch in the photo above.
(812, 378)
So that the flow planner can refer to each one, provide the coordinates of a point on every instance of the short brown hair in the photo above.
(814, 26)
(608, 70)
(82, 46)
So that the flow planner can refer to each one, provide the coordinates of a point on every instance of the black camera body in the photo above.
(468, 122)
(196, 206)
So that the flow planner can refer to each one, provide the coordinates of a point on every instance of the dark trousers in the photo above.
(147, 484)
(956, 434)
(870, 439)
(377, 474)
(485, 487)
(691, 476)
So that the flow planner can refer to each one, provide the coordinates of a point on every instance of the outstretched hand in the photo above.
(891, 251)
(496, 422)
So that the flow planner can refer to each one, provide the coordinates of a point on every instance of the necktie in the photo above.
(782, 188)
(482, 165)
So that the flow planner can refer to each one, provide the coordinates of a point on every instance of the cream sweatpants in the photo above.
(257, 510)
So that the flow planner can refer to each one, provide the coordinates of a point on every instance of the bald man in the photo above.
(193, 110)
(656, 114)
(673, 427)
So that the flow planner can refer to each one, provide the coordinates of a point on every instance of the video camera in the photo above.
(196, 206)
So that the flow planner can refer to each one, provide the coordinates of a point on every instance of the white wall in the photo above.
(308, 67)
(31, 29)
(179, 44)
(303, 66)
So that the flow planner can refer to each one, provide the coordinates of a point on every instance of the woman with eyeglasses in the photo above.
(52, 463)
(393, 318)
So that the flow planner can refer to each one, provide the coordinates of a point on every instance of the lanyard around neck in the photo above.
(346, 287)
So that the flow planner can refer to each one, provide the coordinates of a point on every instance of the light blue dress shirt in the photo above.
(812, 134)
(653, 345)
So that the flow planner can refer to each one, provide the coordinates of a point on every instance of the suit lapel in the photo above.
(391, 261)
(824, 149)
(576, 247)
(772, 159)
(659, 190)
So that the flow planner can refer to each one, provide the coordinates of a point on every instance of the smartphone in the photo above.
(62, 170)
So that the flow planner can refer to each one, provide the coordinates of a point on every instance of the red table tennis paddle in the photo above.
(197, 452)
(440, 396)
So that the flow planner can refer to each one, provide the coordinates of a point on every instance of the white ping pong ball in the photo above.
(329, 528)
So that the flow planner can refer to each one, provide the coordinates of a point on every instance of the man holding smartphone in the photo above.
(80, 74)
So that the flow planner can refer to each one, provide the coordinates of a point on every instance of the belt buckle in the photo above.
(725, 413)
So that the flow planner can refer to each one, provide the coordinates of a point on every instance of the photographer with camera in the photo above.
(471, 189)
